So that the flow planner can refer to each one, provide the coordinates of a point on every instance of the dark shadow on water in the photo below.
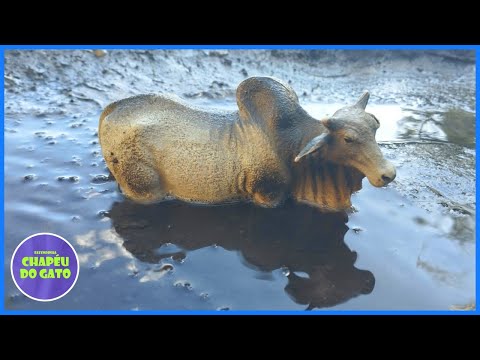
(300, 238)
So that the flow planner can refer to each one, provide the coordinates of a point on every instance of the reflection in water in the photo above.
(308, 244)
(459, 125)
(454, 125)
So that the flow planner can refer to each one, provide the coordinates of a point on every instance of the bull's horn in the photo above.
(362, 102)
(314, 144)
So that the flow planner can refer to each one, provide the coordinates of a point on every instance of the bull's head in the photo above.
(350, 140)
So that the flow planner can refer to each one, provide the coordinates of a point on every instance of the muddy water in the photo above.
(409, 246)
(390, 253)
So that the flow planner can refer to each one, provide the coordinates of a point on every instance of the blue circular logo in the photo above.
(44, 267)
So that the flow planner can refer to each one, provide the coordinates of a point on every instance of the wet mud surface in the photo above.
(408, 246)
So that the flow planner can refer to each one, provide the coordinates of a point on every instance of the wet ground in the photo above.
(408, 246)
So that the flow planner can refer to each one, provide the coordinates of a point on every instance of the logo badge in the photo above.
(44, 267)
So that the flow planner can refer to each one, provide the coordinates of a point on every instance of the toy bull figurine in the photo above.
(160, 148)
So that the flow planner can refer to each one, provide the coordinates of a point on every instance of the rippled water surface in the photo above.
(387, 255)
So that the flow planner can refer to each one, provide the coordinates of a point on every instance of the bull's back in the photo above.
(159, 116)
(189, 148)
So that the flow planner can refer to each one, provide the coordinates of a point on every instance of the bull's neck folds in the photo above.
(325, 184)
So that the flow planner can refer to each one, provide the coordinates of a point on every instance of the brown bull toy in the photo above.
(160, 147)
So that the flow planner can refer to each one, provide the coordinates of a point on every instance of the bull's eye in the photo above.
(348, 140)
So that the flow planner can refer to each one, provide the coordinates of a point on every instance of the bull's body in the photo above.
(160, 147)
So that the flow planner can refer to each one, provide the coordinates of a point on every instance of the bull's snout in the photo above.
(389, 174)
(383, 175)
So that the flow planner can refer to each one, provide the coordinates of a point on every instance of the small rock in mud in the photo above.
(184, 284)
(227, 62)
(75, 161)
(100, 179)
(420, 221)
(75, 218)
(133, 274)
(357, 229)
(218, 53)
(165, 267)
(29, 177)
(40, 134)
(219, 84)
(72, 179)
(103, 213)
(179, 257)
(100, 53)
(244, 72)
(188, 286)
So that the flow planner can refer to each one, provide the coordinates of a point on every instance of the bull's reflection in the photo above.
(297, 237)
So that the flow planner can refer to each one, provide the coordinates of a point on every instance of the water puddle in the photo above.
(389, 254)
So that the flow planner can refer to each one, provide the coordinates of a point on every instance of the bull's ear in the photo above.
(267, 101)
(363, 100)
(315, 144)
